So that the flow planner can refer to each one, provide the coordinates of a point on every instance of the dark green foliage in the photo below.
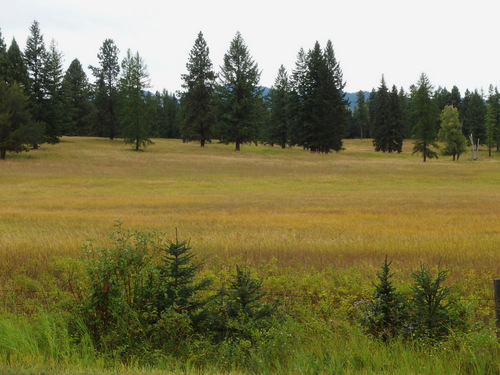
(320, 115)
(3, 59)
(16, 66)
(431, 309)
(15, 119)
(473, 114)
(197, 100)
(277, 129)
(106, 89)
(141, 293)
(385, 316)
(143, 296)
(387, 123)
(361, 119)
(179, 291)
(34, 55)
(242, 319)
(240, 106)
(492, 121)
(132, 114)
(78, 109)
(52, 112)
(425, 114)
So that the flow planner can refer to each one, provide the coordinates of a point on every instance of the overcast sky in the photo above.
(453, 42)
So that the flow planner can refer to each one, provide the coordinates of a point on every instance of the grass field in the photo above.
(286, 212)
(305, 210)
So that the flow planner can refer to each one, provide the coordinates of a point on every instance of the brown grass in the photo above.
(306, 210)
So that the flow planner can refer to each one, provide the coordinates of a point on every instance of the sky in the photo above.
(452, 42)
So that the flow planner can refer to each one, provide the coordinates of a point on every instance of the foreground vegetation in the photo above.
(314, 228)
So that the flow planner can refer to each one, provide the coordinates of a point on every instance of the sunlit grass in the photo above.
(306, 210)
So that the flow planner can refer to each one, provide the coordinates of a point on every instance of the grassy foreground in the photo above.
(313, 225)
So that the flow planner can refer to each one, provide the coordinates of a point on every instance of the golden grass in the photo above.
(306, 210)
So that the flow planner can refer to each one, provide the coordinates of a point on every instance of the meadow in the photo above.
(309, 223)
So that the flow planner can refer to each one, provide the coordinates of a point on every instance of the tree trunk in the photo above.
(2, 153)
(202, 142)
(237, 146)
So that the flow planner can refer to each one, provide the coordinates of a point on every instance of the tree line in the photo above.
(39, 103)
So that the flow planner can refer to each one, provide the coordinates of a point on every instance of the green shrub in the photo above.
(385, 316)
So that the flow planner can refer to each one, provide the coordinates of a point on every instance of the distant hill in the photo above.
(351, 97)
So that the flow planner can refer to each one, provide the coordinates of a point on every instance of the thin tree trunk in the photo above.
(237, 146)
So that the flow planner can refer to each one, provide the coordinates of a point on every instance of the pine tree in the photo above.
(490, 127)
(79, 109)
(473, 115)
(361, 115)
(106, 89)
(178, 288)
(278, 128)
(14, 119)
(450, 133)
(197, 100)
(16, 66)
(494, 108)
(134, 80)
(53, 108)
(320, 111)
(3, 59)
(426, 114)
(387, 123)
(34, 55)
(240, 96)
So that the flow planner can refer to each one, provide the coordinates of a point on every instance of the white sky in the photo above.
(453, 42)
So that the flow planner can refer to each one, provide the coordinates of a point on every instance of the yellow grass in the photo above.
(306, 210)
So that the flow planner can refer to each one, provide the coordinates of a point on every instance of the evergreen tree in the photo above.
(387, 124)
(52, 106)
(404, 108)
(490, 127)
(178, 288)
(278, 128)
(79, 109)
(106, 87)
(451, 134)
(321, 108)
(426, 114)
(361, 115)
(494, 108)
(240, 101)
(16, 66)
(473, 115)
(34, 55)
(371, 111)
(197, 100)
(134, 80)
(3, 59)
(14, 119)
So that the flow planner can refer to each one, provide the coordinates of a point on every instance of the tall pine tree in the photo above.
(240, 96)
(106, 89)
(134, 80)
(426, 114)
(197, 100)
(278, 124)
